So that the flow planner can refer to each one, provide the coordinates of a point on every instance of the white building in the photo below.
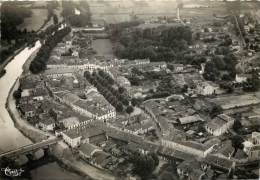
(208, 88)
(219, 125)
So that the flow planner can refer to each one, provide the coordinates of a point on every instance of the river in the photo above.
(11, 137)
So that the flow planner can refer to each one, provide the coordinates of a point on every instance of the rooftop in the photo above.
(88, 149)
(219, 121)
(84, 132)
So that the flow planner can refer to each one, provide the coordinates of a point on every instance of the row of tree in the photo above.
(39, 62)
(105, 84)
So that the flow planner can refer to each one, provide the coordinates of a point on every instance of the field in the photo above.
(35, 21)
(118, 11)
(103, 47)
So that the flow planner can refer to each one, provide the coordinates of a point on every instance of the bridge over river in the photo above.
(29, 148)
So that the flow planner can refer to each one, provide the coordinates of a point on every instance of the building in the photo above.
(87, 150)
(189, 147)
(139, 128)
(84, 134)
(252, 147)
(190, 119)
(94, 106)
(220, 162)
(208, 88)
(28, 110)
(70, 68)
(59, 72)
(219, 125)
(46, 122)
(240, 78)
(69, 122)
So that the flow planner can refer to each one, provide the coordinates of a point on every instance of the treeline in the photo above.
(12, 15)
(157, 44)
(105, 85)
(78, 20)
(116, 29)
(39, 62)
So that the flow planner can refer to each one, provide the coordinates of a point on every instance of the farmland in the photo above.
(35, 21)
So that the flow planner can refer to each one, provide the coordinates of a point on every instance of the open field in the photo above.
(118, 11)
(103, 47)
(35, 21)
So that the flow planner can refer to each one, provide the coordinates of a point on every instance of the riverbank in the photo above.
(13, 137)
(8, 60)
(61, 151)
(35, 135)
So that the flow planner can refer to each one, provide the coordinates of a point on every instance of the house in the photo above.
(73, 139)
(242, 77)
(88, 133)
(219, 125)
(254, 153)
(46, 122)
(69, 122)
(139, 128)
(28, 110)
(208, 88)
(87, 150)
(55, 73)
(252, 146)
(178, 68)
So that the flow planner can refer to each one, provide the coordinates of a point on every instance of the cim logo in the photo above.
(12, 172)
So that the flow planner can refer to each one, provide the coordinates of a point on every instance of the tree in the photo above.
(17, 94)
(55, 19)
(143, 164)
(121, 90)
(253, 83)
(227, 86)
(216, 109)
(211, 72)
(237, 142)
(119, 107)
(129, 109)
(136, 102)
(237, 125)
